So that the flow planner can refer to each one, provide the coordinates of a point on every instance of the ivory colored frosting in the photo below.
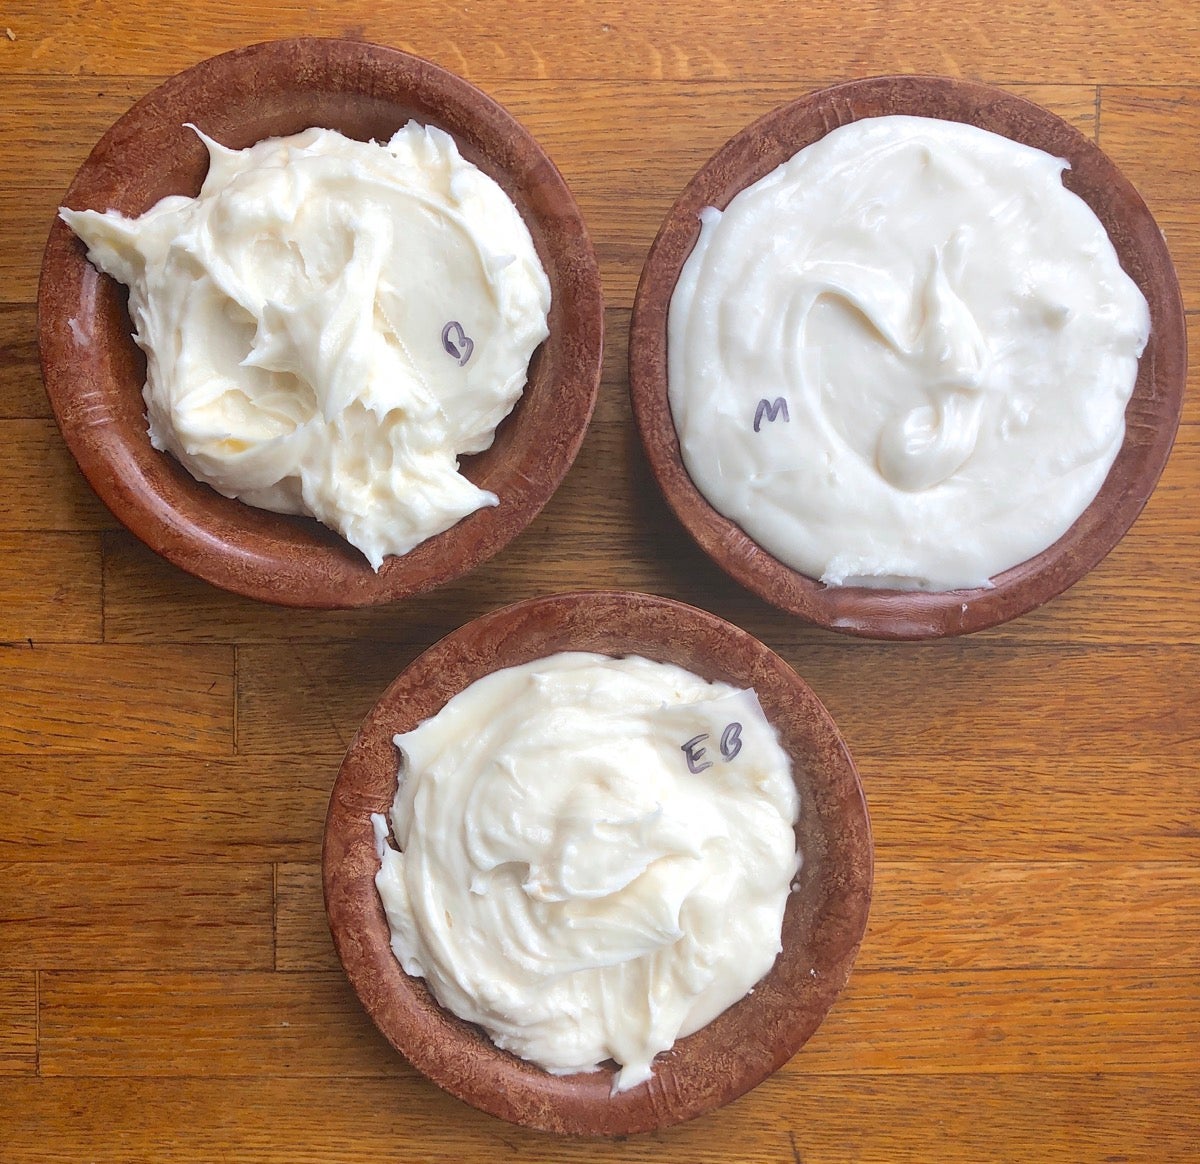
(330, 324)
(903, 357)
(594, 857)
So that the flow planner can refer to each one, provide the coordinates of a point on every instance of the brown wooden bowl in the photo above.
(823, 923)
(94, 372)
(1150, 419)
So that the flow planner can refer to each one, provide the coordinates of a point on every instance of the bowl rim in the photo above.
(294, 561)
(1152, 416)
(824, 923)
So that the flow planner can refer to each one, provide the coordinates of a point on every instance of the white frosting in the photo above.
(567, 881)
(952, 339)
(330, 324)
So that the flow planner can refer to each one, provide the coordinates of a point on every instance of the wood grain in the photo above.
(1004, 690)
(314, 696)
(317, 694)
(947, 799)
(82, 808)
(864, 1119)
(42, 151)
(18, 1024)
(1030, 982)
(27, 215)
(580, 123)
(120, 699)
(81, 914)
(1003, 916)
(21, 393)
(35, 457)
(1151, 133)
(583, 125)
(65, 606)
(943, 1021)
(1140, 594)
(1179, 224)
(947, 1021)
(686, 41)
(977, 915)
(183, 1024)
(302, 940)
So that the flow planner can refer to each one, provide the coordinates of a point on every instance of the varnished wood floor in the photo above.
(1029, 988)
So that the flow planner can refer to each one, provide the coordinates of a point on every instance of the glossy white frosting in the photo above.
(592, 861)
(903, 357)
(330, 324)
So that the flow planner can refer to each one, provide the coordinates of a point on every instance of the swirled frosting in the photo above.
(903, 357)
(594, 857)
(330, 324)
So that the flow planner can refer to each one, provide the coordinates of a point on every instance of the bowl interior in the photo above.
(1151, 417)
(94, 372)
(823, 924)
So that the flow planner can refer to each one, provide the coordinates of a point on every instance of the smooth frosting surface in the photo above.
(903, 357)
(594, 857)
(330, 324)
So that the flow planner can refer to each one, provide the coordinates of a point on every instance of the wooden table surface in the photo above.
(1029, 987)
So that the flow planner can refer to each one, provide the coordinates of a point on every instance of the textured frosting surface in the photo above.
(594, 857)
(903, 357)
(330, 324)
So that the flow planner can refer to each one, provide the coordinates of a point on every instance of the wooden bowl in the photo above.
(823, 923)
(94, 372)
(1150, 419)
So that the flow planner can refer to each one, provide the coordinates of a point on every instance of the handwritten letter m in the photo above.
(770, 409)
